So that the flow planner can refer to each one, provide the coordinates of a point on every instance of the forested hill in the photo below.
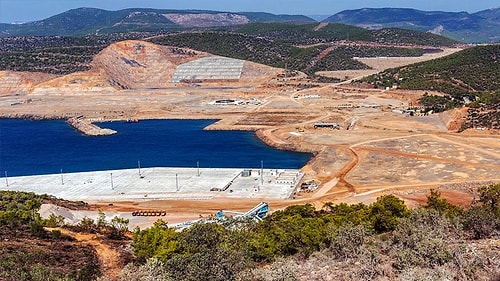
(469, 72)
(274, 44)
(86, 21)
(469, 77)
(312, 33)
(480, 27)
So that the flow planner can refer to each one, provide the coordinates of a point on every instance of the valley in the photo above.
(376, 149)
(398, 107)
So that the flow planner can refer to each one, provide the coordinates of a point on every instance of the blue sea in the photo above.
(49, 147)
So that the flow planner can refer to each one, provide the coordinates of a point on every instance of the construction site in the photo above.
(362, 146)
(146, 184)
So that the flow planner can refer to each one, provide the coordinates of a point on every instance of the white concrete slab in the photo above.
(160, 184)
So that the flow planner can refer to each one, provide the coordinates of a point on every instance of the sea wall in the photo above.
(87, 128)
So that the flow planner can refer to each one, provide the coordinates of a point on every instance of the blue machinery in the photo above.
(257, 213)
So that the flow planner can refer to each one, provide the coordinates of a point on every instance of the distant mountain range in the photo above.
(86, 21)
(480, 27)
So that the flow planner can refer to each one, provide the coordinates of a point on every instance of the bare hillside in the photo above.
(138, 64)
(128, 64)
(21, 82)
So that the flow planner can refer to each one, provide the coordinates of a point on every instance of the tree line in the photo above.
(386, 233)
(389, 238)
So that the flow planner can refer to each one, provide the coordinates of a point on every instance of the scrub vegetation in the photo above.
(466, 78)
(380, 241)
(274, 44)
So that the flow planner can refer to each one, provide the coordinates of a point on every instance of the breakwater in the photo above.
(88, 128)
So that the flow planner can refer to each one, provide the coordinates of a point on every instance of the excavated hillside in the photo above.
(142, 65)
(92, 80)
(139, 65)
(21, 82)
(127, 64)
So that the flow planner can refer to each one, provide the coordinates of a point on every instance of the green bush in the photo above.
(422, 240)
(347, 241)
(158, 241)
(386, 212)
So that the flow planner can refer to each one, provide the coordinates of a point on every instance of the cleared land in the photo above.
(147, 184)
(375, 151)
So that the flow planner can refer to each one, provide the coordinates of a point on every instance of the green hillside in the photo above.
(304, 34)
(469, 77)
(466, 73)
(88, 21)
(279, 47)
(29, 252)
(280, 54)
(384, 240)
(480, 27)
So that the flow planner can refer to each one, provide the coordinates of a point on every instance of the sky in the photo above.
(31, 10)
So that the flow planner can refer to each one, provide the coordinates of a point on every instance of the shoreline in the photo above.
(85, 126)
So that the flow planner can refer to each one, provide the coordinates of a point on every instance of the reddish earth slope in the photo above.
(128, 64)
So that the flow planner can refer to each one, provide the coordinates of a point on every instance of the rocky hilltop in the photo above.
(138, 64)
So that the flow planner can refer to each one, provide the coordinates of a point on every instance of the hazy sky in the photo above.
(31, 10)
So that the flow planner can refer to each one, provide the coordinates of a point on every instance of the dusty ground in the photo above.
(376, 151)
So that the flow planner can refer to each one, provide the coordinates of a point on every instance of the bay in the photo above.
(47, 147)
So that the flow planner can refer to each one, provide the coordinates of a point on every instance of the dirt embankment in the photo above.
(112, 257)
(141, 65)
(21, 82)
(454, 119)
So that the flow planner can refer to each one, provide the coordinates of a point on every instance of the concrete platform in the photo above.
(209, 68)
(160, 184)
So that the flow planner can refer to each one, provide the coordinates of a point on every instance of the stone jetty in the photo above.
(87, 128)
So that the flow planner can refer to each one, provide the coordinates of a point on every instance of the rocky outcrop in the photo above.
(454, 118)
(207, 19)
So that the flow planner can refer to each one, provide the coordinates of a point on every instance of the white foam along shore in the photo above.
(161, 184)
